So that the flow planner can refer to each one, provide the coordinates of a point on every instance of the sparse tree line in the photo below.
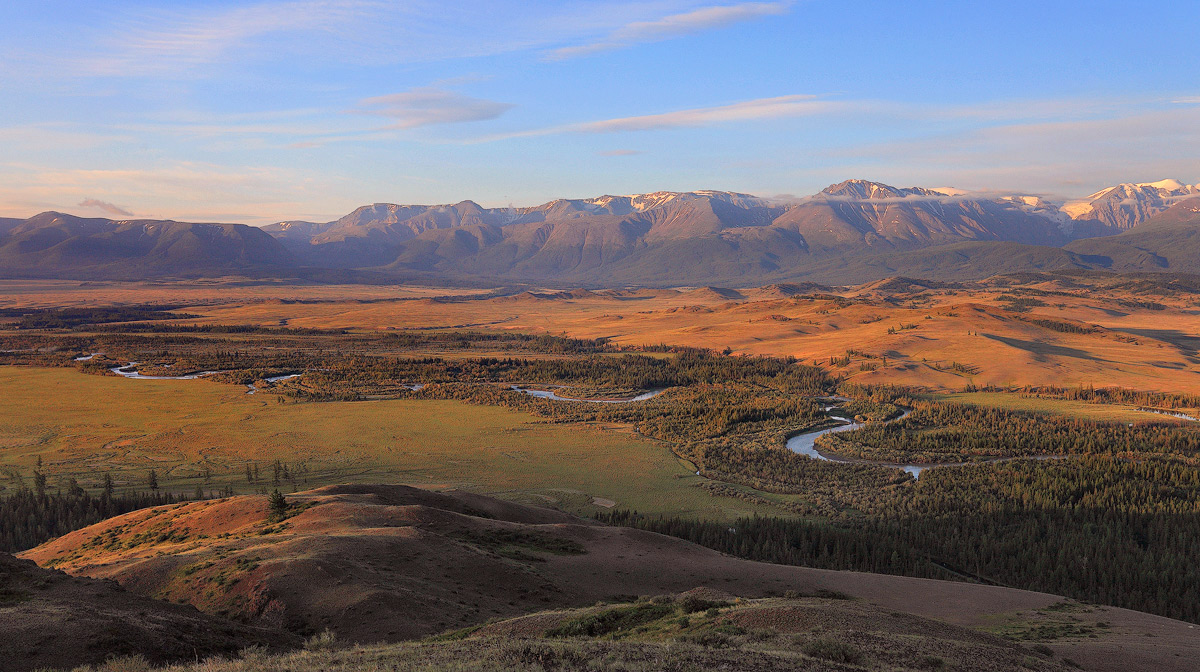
(943, 432)
(28, 517)
(1094, 528)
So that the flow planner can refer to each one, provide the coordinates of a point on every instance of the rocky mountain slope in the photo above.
(1125, 206)
(842, 234)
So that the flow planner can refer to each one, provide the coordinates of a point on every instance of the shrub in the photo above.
(134, 663)
(690, 604)
(709, 639)
(611, 621)
(326, 640)
(832, 650)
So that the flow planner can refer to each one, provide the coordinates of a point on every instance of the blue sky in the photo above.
(305, 109)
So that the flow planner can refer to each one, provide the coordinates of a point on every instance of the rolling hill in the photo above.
(51, 620)
(391, 563)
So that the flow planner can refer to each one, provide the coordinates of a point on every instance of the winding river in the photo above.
(805, 444)
(546, 394)
(130, 371)
(272, 380)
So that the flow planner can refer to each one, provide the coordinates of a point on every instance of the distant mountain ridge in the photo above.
(855, 229)
(53, 244)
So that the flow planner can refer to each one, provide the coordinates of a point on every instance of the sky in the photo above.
(257, 112)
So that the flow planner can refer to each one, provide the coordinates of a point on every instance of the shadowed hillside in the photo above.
(49, 619)
(391, 563)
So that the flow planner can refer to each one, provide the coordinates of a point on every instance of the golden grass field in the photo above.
(83, 426)
(1130, 347)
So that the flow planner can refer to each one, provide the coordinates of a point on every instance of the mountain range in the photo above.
(853, 231)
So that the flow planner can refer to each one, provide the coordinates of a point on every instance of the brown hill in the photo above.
(51, 620)
(392, 562)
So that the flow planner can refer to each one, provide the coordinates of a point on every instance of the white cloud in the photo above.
(427, 106)
(762, 108)
(674, 25)
(705, 18)
(621, 152)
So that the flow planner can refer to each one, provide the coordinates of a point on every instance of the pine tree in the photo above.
(277, 506)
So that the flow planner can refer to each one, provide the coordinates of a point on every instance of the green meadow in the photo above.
(204, 434)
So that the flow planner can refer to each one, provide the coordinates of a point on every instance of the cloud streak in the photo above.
(173, 42)
(750, 110)
(105, 206)
(672, 26)
(428, 106)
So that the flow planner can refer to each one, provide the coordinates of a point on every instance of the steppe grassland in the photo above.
(948, 341)
(1134, 347)
(83, 426)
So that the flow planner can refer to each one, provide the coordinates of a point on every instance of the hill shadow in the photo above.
(1041, 350)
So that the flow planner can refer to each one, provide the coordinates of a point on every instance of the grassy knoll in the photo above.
(83, 426)
(1012, 401)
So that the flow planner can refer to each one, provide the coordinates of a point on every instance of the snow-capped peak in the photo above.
(1168, 185)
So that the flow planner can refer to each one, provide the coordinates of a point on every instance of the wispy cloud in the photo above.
(181, 190)
(427, 106)
(1072, 155)
(620, 152)
(209, 39)
(162, 42)
(106, 207)
(749, 110)
(674, 25)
